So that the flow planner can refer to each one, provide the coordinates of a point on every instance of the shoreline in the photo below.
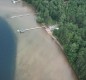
(38, 56)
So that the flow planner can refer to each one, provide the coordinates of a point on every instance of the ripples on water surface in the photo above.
(7, 51)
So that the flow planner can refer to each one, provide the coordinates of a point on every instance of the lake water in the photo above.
(7, 51)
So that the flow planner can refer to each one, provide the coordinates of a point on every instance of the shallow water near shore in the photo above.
(34, 53)
(7, 51)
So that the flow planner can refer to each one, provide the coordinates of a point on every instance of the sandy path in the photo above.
(38, 56)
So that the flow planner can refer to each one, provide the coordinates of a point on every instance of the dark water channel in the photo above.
(7, 51)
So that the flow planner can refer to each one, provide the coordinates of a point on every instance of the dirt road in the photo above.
(38, 56)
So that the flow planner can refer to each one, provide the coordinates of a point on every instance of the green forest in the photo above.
(71, 17)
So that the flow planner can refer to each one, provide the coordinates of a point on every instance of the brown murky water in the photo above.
(38, 56)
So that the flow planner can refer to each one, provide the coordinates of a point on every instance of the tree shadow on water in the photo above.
(7, 51)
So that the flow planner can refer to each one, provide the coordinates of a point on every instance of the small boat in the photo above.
(14, 1)
(21, 31)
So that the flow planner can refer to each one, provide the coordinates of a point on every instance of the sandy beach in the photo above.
(38, 57)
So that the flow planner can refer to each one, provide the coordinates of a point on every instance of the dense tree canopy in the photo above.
(47, 10)
(71, 17)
